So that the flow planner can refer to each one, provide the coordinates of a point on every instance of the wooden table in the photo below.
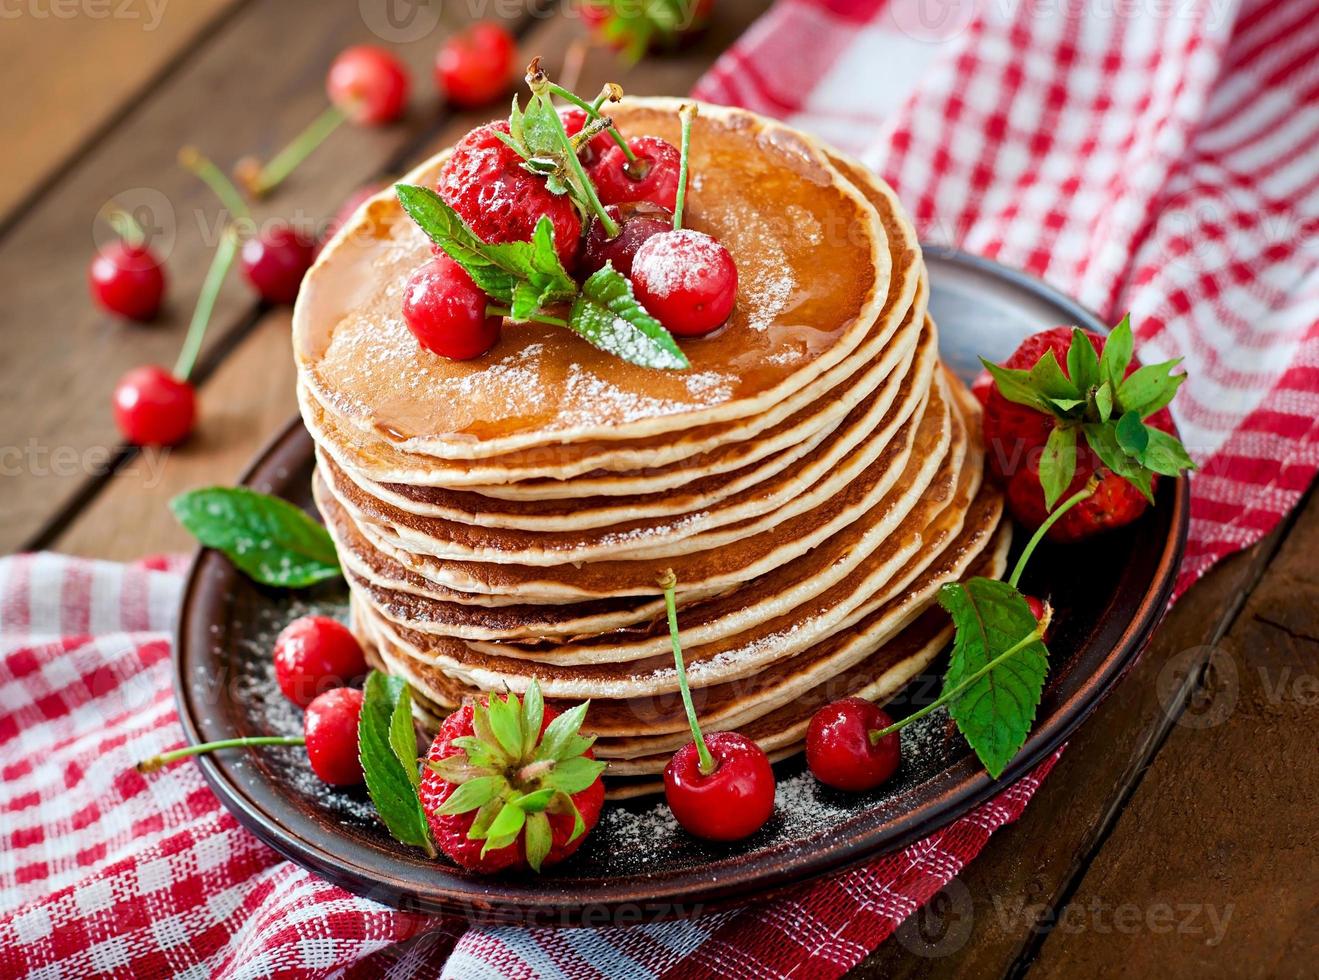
(1177, 836)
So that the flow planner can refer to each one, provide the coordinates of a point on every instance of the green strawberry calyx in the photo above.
(1098, 402)
(514, 776)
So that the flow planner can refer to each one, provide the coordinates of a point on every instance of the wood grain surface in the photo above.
(1176, 838)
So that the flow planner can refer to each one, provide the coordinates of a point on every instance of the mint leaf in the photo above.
(269, 539)
(1016, 386)
(498, 269)
(403, 736)
(1150, 388)
(1103, 440)
(608, 316)
(1058, 464)
(1082, 361)
(1117, 354)
(1131, 435)
(994, 712)
(392, 788)
(1165, 454)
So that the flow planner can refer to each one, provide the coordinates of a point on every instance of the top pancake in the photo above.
(814, 270)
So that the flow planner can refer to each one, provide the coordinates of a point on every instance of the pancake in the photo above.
(806, 301)
(817, 478)
(812, 480)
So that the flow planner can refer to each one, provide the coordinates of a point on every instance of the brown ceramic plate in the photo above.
(636, 864)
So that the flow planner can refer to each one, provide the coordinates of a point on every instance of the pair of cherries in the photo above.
(685, 279)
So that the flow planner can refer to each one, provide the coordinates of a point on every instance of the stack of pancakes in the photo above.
(811, 480)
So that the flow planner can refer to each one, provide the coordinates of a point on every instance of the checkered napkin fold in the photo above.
(1156, 158)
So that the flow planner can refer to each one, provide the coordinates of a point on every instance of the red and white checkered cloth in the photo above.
(1153, 156)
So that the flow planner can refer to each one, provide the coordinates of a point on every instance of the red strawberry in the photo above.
(1048, 431)
(497, 796)
(485, 182)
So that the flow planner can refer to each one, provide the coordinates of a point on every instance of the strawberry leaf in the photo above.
(1104, 401)
(1165, 454)
(608, 316)
(1047, 378)
(994, 712)
(270, 540)
(1058, 463)
(472, 795)
(533, 715)
(388, 780)
(1131, 435)
(1150, 388)
(1082, 361)
(1016, 386)
(505, 716)
(1117, 354)
(533, 802)
(539, 839)
(1102, 439)
(574, 775)
(560, 732)
(503, 830)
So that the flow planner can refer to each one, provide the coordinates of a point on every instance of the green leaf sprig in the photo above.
(530, 279)
(1097, 402)
(272, 541)
(387, 748)
(998, 663)
(513, 775)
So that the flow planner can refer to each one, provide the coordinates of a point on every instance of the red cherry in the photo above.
(275, 262)
(128, 280)
(315, 654)
(474, 67)
(652, 177)
(485, 183)
(368, 85)
(574, 121)
(154, 408)
(686, 280)
(730, 803)
(445, 311)
(330, 727)
(638, 222)
(839, 750)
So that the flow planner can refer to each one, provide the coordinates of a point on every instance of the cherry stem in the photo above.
(124, 225)
(283, 163)
(1084, 493)
(1036, 635)
(196, 163)
(201, 314)
(165, 758)
(687, 113)
(669, 583)
(611, 93)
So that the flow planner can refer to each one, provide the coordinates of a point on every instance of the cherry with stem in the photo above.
(260, 179)
(669, 583)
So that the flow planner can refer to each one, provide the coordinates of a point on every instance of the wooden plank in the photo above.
(74, 67)
(1214, 865)
(250, 90)
(993, 916)
(250, 395)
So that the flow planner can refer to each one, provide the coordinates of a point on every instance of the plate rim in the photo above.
(489, 900)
